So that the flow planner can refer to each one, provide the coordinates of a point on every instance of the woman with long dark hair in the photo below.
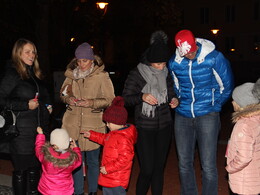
(23, 91)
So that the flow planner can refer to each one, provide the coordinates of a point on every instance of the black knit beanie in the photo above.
(158, 50)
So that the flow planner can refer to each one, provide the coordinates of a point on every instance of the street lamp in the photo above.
(102, 5)
(215, 31)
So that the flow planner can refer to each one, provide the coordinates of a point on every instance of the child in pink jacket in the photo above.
(118, 151)
(59, 158)
(243, 151)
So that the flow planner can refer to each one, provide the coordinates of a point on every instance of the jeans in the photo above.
(114, 191)
(204, 130)
(91, 159)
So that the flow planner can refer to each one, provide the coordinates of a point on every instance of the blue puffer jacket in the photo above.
(202, 84)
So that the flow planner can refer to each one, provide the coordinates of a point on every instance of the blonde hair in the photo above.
(97, 62)
(19, 64)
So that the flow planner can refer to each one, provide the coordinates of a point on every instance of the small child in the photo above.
(243, 154)
(118, 151)
(59, 158)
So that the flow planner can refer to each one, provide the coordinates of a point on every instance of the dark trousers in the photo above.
(114, 191)
(26, 174)
(24, 162)
(152, 149)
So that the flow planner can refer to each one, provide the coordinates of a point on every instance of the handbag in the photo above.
(8, 129)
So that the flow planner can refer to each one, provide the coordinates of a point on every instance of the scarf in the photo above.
(79, 74)
(155, 85)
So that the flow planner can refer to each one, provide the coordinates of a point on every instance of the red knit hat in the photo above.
(185, 42)
(116, 113)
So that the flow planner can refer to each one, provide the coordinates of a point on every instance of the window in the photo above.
(256, 46)
(204, 15)
(256, 10)
(230, 13)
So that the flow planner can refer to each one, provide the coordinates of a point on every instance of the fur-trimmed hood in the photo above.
(58, 159)
(96, 70)
(249, 111)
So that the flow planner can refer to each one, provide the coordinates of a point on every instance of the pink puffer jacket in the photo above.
(243, 152)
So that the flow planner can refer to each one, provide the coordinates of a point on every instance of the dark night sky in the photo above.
(51, 23)
(120, 36)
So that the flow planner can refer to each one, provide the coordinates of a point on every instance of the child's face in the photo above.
(110, 126)
(113, 126)
(235, 106)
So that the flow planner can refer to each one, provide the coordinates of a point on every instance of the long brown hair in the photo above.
(19, 64)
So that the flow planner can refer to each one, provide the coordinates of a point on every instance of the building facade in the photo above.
(238, 37)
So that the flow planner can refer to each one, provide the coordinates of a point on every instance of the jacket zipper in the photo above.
(38, 90)
(192, 90)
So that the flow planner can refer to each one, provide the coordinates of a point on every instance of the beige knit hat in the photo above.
(60, 138)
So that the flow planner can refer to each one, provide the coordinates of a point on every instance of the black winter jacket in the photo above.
(15, 94)
(132, 94)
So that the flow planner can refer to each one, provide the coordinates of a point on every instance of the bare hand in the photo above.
(149, 99)
(39, 130)
(33, 104)
(50, 110)
(174, 103)
(86, 133)
(73, 144)
(103, 170)
(72, 101)
(85, 103)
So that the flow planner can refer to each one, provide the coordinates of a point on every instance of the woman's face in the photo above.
(159, 65)
(84, 64)
(28, 54)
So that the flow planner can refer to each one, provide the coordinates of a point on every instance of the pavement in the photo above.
(5, 185)
(171, 183)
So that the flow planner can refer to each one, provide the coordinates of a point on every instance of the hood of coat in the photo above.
(205, 47)
(249, 111)
(96, 70)
(129, 131)
(59, 159)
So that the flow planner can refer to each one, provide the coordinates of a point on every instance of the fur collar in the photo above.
(58, 162)
(249, 111)
(96, 70)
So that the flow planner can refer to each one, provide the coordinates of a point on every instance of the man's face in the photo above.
(191, 55)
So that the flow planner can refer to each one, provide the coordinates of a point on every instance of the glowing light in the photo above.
(72, 39)
(215, 31)
(102, 5)
(232, 49)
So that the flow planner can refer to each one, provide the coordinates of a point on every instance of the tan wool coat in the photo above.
(243, 152)
(98, 87)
